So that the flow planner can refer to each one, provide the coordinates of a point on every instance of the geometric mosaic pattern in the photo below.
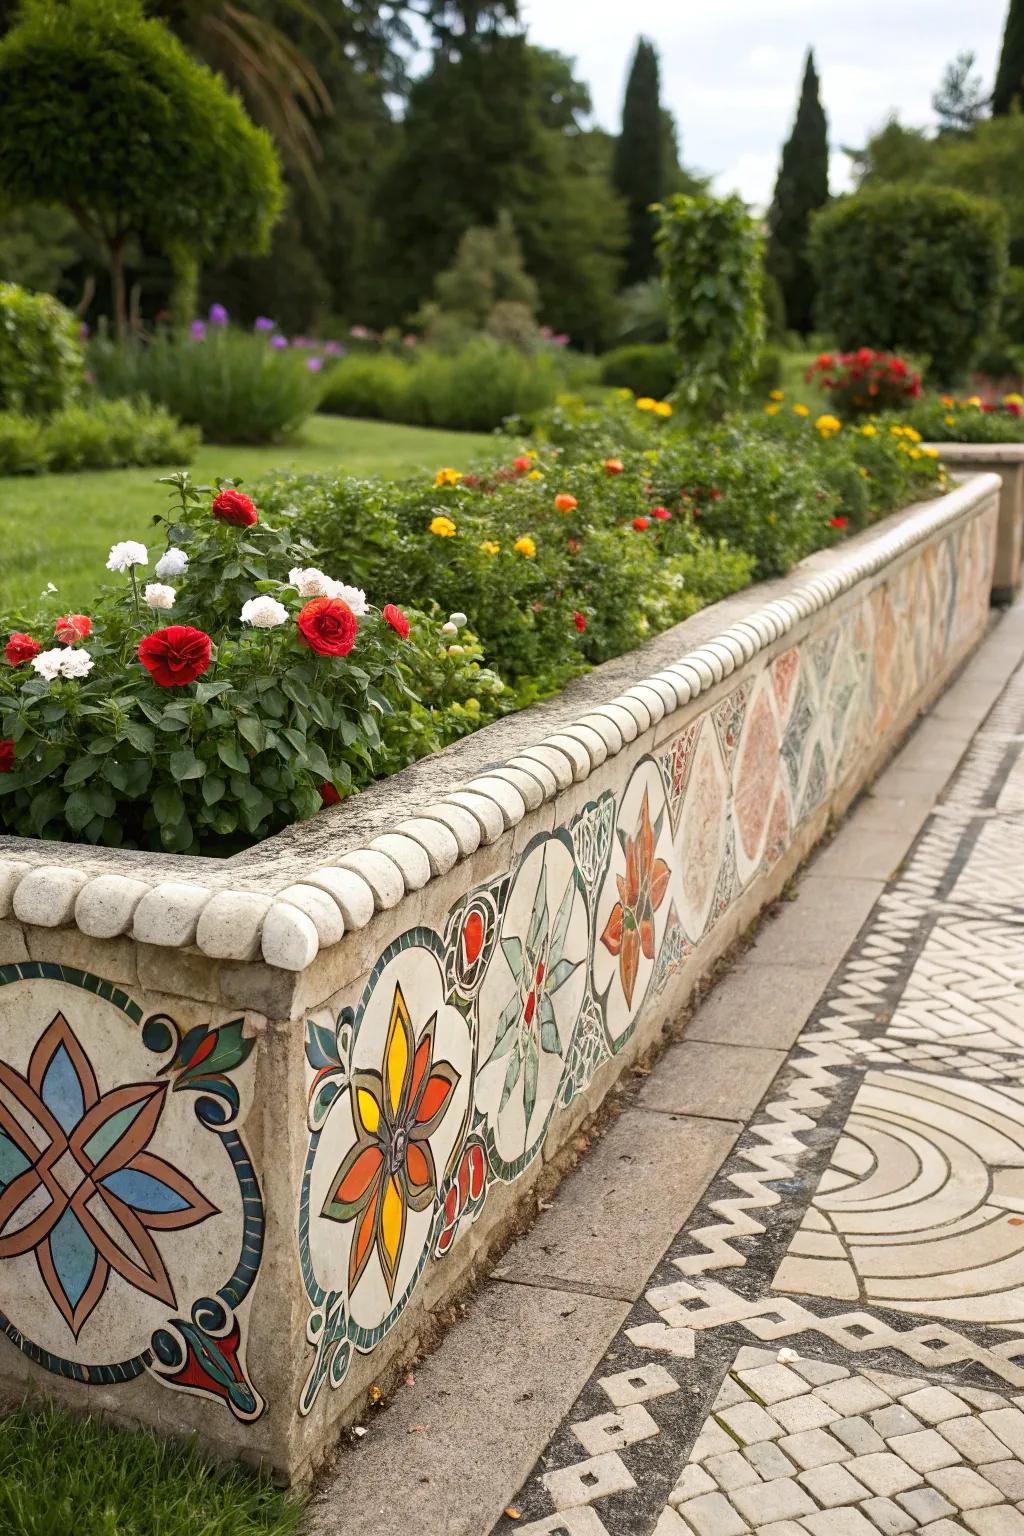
(834, 1343)
(539, 976)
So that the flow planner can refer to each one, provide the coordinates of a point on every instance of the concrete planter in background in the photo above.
(1007, 461)
(260, 1116)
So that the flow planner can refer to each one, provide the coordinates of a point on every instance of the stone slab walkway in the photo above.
(785, 1293)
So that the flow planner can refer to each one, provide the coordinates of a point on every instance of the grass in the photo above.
(59, 528)
(68, 1476)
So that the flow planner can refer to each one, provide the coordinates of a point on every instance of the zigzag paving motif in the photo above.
(834, 1343)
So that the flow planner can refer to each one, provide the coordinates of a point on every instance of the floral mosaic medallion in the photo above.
(390, 1089)
(701, 839)
(633, 906)
(530, 1001)
(126, 1194)
(757, 780)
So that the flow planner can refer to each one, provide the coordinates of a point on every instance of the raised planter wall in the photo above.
(258, 1116)
(1007, 461)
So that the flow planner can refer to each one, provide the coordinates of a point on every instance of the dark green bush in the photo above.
(40, 358)
(650, 369)
(911, 269)
(98, 434)
(769, 370)
(1001, 355)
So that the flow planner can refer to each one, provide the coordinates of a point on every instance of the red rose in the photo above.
(234, 508)
(662, 514)
(837, 522)
(6, 755)
(715, 493)
(641, 524)
(327, 625)
(328, 794)
(176, 655)
(573, 546)
(522, 464)
(72, 628)
(396, 618)
(580, 622)
(21, 647)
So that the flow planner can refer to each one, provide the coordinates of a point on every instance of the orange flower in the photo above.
(565, 502)
(614, 466)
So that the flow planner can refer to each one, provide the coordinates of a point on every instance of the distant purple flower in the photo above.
(218, 314)
(279, 342)
(83, 331)
(262, 323)
(410, 340)
(198, 330)
(334, 349)
(314, 364)
(561, 340)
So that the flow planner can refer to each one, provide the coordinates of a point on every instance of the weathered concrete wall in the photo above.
(249, 1182)
(1007, 461)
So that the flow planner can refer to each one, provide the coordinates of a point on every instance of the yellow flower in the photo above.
(930, 453)
(646, 403)
(535, 474)
(915, 453)
(528, 453)
(777, 394)
(489, 547)
(973, 400)
(447, 477)
(950, 421)
(912, 433)
(443, 527)
(868, 430)
(771, 410)
(827, 425)
(800, 410)
(662, 408)
(525, 546)
(1013, 399)
(896, 431)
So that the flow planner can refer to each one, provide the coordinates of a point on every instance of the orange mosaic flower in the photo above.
(629, 932)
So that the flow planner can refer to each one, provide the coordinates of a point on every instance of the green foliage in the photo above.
(942, 419)
(486, 288)
(711, 260)
(894, 153)
(911, 270)
(801, 188)
(40, 358)
(1004, 354)
(643, 312)
(769, 370)
(37, 246)
(473, 389)
(236, 387)
(64, 1474)
(638, 171)
(960, 100)
(1009, 86)
(645, 369)
(107, 115)
(99, 434)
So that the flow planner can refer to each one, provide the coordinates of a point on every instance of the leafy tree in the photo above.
(638, 172)
(894, 153)
(106, 115)
(960, 99)
(1009, 86)
(801, 188)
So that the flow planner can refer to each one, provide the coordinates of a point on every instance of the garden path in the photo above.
(784, 1294)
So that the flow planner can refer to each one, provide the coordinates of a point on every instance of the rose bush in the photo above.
(946, 419)
(864, 382)
(256, 705)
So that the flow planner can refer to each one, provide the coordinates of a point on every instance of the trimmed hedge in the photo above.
(40, 358)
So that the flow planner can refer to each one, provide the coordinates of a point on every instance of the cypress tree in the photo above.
(638, 171)
(1010, 74)
(801, 188)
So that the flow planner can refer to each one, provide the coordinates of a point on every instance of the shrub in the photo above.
(864, 382)
(98, 434)
(645, 369)
(237, 387)
(473, 390)
(769, 370)
(22, 450)
(712, 262)
(306, 700)
(943, 419)
(1003, 353)
(40, 358)
(911, 269)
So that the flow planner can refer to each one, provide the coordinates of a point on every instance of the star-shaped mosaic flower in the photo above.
(78, 1189)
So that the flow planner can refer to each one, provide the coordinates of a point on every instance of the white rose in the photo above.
(49, 663)
(354, 596)
(458, 619)
(264, 613)
(310, 582)
(126, 554)
(76, 664)
(159, 596)
(456, 650)
(449, 628)
(173, 562)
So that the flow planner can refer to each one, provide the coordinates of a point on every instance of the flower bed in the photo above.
(294, 1095)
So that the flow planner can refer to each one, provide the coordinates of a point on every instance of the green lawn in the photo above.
(59, 527)
(64, 1476)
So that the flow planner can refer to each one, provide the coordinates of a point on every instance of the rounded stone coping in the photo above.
(979, 453)
(290, 925)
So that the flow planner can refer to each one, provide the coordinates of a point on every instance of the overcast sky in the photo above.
(730, 69)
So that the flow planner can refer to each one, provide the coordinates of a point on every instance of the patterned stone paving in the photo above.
(834, 1344)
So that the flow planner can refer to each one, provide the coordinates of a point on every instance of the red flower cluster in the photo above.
(176, 655)
(72, 628)
(235, 508)
(865, 380)
(21, 648)
(6, 755)
(580, 623)
(662, 514)
(328, 626)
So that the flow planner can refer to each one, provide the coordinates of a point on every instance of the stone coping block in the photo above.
(1007, 461)
(261, 1118)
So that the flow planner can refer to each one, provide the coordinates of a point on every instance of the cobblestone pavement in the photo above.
(834, 1343)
